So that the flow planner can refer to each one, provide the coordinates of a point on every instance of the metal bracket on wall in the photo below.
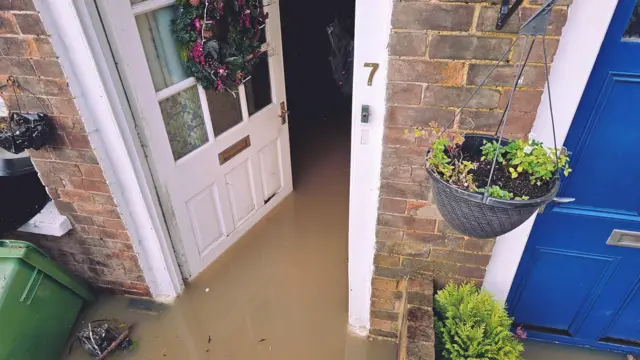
(536, 25)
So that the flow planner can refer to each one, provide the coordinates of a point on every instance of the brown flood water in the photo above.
(279, 293)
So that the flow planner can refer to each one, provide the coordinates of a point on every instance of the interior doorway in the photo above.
(318, 81)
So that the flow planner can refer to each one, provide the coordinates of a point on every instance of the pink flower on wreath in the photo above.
(218, 85)
(196, 23)
(245, 20)
(520, 333)
(196, 53)
(222, 71)
(239, 77)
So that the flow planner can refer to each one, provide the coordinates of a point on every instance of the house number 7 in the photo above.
(374, 67)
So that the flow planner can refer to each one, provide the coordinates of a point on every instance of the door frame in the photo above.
(85, 56)
(580, 43)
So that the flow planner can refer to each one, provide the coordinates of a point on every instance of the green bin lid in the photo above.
(38, 259)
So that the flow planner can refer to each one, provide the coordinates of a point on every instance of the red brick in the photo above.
(78, 140)
(418, 116)
(385, 315)
(537, 54)
(418, 285)
(98, 210)
(383, 325)
(30, 24)
(479, 245)
(518, 124)
(399, 136)
(471, 272)
(17, 5)
(78, 219)
(104, 233)
(434, 72)
(16, 66)
(404, 94)
(404, 191)
(87, 185)
(48, 68)
(93, 172)
(75, 196)
(395, 156)
(467, 47)
(523, 100)
(384, 305)
(450, 96)
(385, 284)
(533, 76)
(408, 44)
(386, 260)
(396, 173)
(406, 222)
(51, 180)
(419, 175)
(424, 266)
(63, 170)
(489, 14)
(387, 234)
(559, 3)
(427, 16)
(42, 154)
(8, 23)
(17, 46)
(53, 193)
(44, 47)
(74, 156)
(67, 107)
(386, 295)
(459, 257)
(103, 199)
(436, 240)
(393, 206)
(47, 87)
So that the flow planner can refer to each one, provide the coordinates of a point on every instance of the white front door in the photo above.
(219, 162)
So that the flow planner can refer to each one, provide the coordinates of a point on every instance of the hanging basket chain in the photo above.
(536, 25)
(524, 57)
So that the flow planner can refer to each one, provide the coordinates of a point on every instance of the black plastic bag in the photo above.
(25, 131)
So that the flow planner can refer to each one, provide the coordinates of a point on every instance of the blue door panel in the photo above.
(583, 276)
(625, 324)
(572, 286)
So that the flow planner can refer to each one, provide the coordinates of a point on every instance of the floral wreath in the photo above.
(219, 40)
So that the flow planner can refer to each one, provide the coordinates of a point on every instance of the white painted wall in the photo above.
(580, 43)
(372, 28)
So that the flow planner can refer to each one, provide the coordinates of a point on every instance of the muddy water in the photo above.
(280, 293)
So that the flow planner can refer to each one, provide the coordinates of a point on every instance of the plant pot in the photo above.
(25, 131)
(469, 215)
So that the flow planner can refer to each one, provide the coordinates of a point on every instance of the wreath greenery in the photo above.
(219, 40)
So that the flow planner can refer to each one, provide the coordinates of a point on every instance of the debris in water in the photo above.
(261, 340)
(102, 337)
(209, 341)
(206, 290)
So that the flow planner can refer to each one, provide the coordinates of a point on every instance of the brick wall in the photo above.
(98, 248)
(439, 51)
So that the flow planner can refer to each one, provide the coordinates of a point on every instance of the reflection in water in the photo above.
(280, 293)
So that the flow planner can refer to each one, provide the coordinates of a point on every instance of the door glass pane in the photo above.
(160, 47)
(258, 87)
(183, 119)
(633, 28)
(225, 111)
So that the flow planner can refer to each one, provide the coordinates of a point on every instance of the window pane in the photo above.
(225, 111)
(258, 87)
(633, 29)
(182, 114)
(160, 47)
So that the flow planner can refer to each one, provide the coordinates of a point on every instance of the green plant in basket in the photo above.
(470, 324)
(446, 158)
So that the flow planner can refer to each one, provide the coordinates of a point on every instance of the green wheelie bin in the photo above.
(39, 303)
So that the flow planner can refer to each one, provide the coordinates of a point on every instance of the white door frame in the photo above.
(579, 46)
(372, 29)
(105, 112)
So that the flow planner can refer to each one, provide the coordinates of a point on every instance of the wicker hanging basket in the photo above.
(477, 214)
(468, 214)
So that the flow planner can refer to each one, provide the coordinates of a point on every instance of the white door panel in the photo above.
(219, 162)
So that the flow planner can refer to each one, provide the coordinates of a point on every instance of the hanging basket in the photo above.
(25, 131)
(478, 214)
(468, 214)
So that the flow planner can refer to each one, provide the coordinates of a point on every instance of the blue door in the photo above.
(579, 278)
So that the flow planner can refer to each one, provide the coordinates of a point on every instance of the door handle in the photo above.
(283, 113)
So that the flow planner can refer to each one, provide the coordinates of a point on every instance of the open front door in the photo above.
(219, 162)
